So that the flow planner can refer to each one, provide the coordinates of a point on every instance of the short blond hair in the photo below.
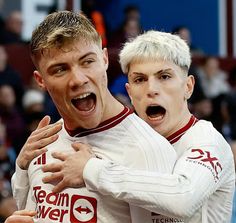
(154, 45)
(59, 29)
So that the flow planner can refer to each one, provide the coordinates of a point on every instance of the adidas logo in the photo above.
(41, 160)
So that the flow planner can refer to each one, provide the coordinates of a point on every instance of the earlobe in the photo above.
(38, 78)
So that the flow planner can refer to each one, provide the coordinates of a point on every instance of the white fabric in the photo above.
(131, 143)
(200, 190)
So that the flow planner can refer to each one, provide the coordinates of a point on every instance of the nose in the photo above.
(153, 87)
(78, 78)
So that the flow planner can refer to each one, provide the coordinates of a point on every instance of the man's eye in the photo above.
(138, 80)
(87, 62)
(165, 76)
(59, 70)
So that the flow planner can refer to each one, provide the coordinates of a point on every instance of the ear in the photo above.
(127, 86)
(105, 57)
(189, 86)
(39, 80)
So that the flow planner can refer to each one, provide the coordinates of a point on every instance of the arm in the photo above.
(34, 146)
(22, 216)
(178, 194)
(196, 175)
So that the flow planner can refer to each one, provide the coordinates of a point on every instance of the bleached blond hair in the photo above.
(155, 45)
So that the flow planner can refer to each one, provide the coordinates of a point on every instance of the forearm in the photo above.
(20, 187)
(179, 194)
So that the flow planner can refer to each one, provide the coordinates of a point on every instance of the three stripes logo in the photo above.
(41, 160)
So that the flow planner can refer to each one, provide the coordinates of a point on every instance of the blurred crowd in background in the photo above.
(23, 104)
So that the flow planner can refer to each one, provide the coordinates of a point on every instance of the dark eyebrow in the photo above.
(163, 71)
(62, 64)
(156, 73)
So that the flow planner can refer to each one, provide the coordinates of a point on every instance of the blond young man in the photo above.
(71, 65)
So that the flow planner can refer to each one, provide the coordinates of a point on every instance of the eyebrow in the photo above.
(156, 73)
(61, 64)
(87, 54)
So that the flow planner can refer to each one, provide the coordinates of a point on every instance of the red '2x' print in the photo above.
(205, 157)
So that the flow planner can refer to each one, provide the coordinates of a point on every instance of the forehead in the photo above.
(146, 66)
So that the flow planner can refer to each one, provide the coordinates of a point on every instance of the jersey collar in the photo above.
(178, 134)
(80, 132)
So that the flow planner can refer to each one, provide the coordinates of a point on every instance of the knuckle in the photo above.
(41, 142)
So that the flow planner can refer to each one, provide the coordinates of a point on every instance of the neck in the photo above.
(113, 108)
(183, 119)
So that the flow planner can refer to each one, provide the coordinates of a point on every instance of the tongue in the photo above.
(85, 104)
(155, 115)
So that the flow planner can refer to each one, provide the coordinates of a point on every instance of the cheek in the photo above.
(139, 105)
(104, 80)
(56, 92)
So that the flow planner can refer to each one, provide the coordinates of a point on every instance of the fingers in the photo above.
(54, 177)
(44, 122)
(25, 213)
(78, 146)
(19, 219)
(60, 156)
(23, 216)
(45, 132)
(59, 187)
(36, 153)
(35, 145)
(52, 167)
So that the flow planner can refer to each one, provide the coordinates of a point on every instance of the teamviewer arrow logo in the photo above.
(83, 209)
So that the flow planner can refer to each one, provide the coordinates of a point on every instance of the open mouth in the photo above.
(155, 112)
(85, 102)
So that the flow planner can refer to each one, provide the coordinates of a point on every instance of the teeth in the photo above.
(83, 96)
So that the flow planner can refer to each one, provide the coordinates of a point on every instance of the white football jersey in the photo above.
(124, 139)
(200, 189)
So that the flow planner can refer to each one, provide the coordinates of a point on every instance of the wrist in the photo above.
(22, 165)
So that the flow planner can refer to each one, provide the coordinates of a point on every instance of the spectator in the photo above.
(185, 34)
(12, 29)
(7, 163)
(213, 79)
(215, 86)
(33, 101)
(130, 29)
(10, 77)
(7, 157)
(11, 117)
(132, 12)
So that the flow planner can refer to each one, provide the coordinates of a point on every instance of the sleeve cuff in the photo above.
(21, 177)
(91, 173)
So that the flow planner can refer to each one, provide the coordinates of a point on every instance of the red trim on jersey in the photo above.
(102, 126)
(177, 135)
